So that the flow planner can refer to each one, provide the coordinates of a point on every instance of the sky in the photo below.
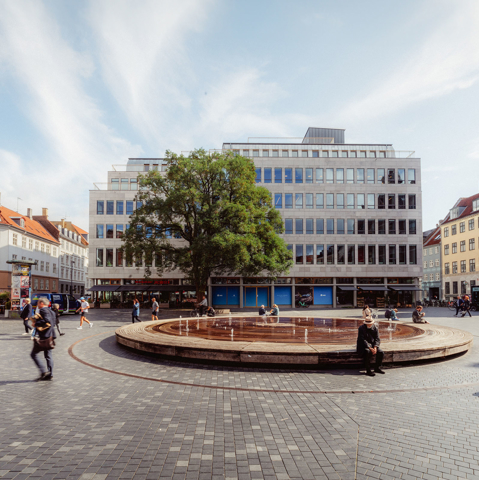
(88, 84)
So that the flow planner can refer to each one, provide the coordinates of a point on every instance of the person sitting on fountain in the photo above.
(274, 312)
(210, 312)
(394, 316)
(418, 315)
(368, 345)
(366, 312)
(262, 311)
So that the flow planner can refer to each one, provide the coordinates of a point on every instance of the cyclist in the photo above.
(202, 306)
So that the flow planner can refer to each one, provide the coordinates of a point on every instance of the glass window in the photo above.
(275, 153)
(110, 207)
(258, 175)
(309, 200)
(309, 254)
(392, 226)
(119, 231)
(382, 254)
(446, 231)
(320, 200)
(446, 268)
(344, 153)
(309, 226)
(324, 153)
(351, 224)
(298, 201)
(371, 254)
(109, 231)
(278, 175)
(119, 208)
(402, 254)
(100, 207)
(372, 154)
(353, 154)
(124, 184)
(133, 184)
(267, 175)
(462, 227)
(382, 154)
(288, 175)
(371, 199)
(340, 200)
(381, 175)
(392, 254)
(361, 201)
(462, 246)
(99, 232)
(471, 224)
(139, 205)
(362, 154)
(360, 175)
(350, 200)
(351, 254)
(371, 227)
(109, 257)
(129, 208)
(411, 176)
(309, 175)
(453, 229)
(330, 175)
(340, 226)
(361, 227)
(472, 244)
(319, 226)
(265, 153)
(330, 254)
(298, 175)
(334, 154)
(299, 254)
(340, 175)
(319, 175)
(295, 153)
(391, 201)
(401, 175)
(446, 249)
(284, 153)
(370, 175)
(381, 201)
(278, 200)
(454, 267)
(119, 257)
(361, 254)
(472, 265)
(330, 200)
(412, 255)
(401, 202)
(319, 254)
(350, 175)
(402, 227)
(412, 201)
(299, 226)
(115, 184)
(99, 257)
(288, 200)
(315, 154)
(341, 254)
(288, 226)
(391, 176)
(330, 226)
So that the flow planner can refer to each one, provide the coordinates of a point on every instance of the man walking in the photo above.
(368, 345)
(84, 306)
(27, 312)
(459, 303)
(44, 322)
(154, 309)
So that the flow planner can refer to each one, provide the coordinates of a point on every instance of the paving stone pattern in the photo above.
(95, 424)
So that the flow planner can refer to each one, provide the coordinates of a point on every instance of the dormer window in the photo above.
(455, 212)
(475, 205)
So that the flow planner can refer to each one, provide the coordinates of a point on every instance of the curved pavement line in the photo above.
(265, 390)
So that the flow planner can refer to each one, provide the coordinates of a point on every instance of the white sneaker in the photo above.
(25, 333)
(91, 324)
(80, 328)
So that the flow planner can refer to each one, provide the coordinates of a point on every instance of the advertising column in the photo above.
(21, 285)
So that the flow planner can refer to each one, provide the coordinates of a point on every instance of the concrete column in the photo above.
(293, 291)
(334, 294)
(241, 292)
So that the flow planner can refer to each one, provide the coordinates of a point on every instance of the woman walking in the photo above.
(56, 311)
(84, 306)
(135, 314)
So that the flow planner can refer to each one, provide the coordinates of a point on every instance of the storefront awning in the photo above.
(348, 288)
(104, 288)
(374, 288)
(155, 288)
(407, 288)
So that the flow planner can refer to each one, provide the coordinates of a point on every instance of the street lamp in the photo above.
(71, 277)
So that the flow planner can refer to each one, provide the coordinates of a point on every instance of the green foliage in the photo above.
(206, 216)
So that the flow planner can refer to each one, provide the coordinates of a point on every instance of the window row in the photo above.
(37, 246)
(312, 153)
(350, 226)
(114, 257)
(44, 284)
(68, 274)
(354, 254)
(471, 225)
(336, 175)
(430, 277)
(431, 250)
(345, 200)
(122, 207)
(462, 246)
(447, 287)
(431, 263)
(463, 266)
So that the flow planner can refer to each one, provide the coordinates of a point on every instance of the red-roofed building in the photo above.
(459, 236)
(24, 238)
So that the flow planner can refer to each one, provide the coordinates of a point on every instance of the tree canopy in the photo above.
(206, 216)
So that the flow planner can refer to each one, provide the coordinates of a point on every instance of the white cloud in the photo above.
(448, 60)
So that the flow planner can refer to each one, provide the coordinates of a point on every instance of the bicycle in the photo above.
(451, 306)
(302, 304)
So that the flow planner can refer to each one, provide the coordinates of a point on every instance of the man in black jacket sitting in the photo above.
(368, 345)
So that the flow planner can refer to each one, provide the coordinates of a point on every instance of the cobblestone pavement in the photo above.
(201, 422)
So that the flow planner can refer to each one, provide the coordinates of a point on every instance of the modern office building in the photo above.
(459, 234)
(432, 267)
(352, 215)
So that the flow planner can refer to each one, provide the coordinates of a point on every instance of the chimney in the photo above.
(63, 223)
(45, 212)
(29, 213)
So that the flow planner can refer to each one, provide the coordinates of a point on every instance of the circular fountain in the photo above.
(288, 340)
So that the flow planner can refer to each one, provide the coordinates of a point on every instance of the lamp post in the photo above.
(71, 277)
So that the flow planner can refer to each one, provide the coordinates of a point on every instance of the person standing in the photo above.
(56, 311)
(466, 307)
(154, 309)
(459, 302)
(135, 314)
(44, 323)
(84, 306)
(368, 345)
(26, 313)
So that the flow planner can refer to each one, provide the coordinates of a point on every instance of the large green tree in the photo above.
(206, 216)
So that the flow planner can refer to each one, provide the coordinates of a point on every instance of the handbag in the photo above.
(44, 344)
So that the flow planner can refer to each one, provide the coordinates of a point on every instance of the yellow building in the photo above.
(460, 234)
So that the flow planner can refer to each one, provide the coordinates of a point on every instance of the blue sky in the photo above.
(84, 85)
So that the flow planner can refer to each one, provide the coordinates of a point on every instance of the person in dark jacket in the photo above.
(262, 311)
(466, 307)
(368, 345)
(459, 302)
(44, 322)
(26, 313)
(56, 310)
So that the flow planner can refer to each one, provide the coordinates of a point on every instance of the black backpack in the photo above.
(387, 313)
